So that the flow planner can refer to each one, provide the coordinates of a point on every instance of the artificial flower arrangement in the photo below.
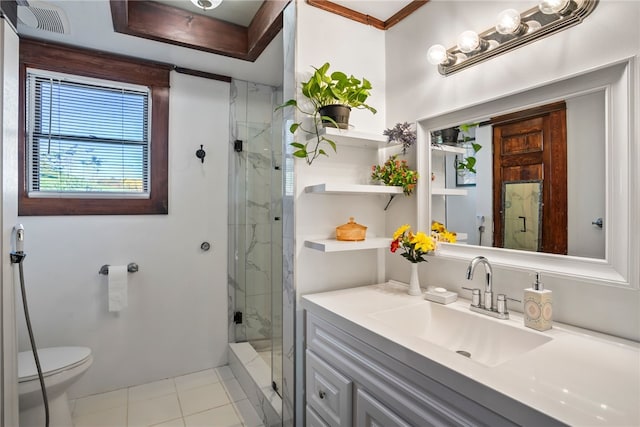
(441, 234)
(404, 133)
(413, 245)
(396, 172)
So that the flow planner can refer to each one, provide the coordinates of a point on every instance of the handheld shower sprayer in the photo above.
(17, 255)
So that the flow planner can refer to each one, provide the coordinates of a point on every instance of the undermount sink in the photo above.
(482, 339)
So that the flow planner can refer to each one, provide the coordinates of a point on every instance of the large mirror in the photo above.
(538, 179)
(532, 180)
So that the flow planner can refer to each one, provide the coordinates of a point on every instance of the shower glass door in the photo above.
(255, 224)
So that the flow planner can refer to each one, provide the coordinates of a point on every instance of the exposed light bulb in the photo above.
(508, 22)
(468, 41)
(437, 54)
(207, 4)
(550, 7)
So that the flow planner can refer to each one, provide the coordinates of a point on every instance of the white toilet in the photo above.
(61, 367)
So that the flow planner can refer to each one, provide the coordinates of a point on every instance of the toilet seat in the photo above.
(52, 360)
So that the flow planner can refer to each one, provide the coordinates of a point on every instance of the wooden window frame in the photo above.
(88, 63)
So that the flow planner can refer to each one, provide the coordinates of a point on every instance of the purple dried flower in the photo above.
(402, 133)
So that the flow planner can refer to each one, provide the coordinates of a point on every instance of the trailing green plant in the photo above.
(396, 172)
(468, 163)
(323, 89)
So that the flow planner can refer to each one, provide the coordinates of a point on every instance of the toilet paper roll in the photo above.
(117, 287)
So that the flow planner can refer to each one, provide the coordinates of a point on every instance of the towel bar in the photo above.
(132, 267)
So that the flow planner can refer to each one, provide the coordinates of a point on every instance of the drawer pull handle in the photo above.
(321, 394)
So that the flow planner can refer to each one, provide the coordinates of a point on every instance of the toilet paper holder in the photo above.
(132, 267)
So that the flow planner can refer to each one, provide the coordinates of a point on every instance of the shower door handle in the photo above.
(524, 223)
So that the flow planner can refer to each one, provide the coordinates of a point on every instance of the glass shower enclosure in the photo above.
(255, 225)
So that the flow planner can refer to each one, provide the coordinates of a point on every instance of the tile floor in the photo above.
(208, 398)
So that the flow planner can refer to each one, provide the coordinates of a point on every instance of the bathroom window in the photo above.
(86, 138)
(94, 133)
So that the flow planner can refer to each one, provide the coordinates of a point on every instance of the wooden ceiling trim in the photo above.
(404, 12)
(203, 74)
(265, 25)
(368, 19)
(41, 54)
(347, 13)
(160, 22)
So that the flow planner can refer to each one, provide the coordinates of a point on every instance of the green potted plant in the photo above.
(330, 98)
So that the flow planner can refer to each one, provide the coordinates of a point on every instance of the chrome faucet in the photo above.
(488, 288)
(488, 308)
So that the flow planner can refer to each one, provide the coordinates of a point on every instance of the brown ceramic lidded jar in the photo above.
(351, 231)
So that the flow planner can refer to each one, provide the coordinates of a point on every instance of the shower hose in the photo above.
(18, 258)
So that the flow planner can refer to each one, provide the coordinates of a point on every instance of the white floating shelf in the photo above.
(351, 189)
(354, 138)
(333, 245)
(448, 192)
(448, 149)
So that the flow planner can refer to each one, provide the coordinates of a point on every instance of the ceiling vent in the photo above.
(42, 16)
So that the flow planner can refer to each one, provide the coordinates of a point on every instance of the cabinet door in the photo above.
(313, 419)
(328, 392)
(371, 413)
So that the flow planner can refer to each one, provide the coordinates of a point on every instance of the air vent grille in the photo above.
(48, 20)
(43, 16)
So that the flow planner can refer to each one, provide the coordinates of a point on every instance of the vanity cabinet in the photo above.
(350, 383)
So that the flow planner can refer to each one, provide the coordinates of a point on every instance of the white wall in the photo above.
(359, 50)
(176, 321)
(8, 215)
(585, 133)
(416, 90)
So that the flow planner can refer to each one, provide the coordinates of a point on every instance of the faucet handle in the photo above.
(475, 296)
(502, 303)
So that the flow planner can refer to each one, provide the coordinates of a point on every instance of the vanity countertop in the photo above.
(579, 377)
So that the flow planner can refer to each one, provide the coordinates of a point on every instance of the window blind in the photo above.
(86, 137)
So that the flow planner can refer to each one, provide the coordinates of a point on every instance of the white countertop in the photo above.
(579, 377)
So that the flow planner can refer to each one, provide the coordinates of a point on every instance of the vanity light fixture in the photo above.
(512, 30)
(207, 4)
(560, 7)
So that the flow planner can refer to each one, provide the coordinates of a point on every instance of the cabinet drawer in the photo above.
(329, 392)
(313, 419)
(371, 413)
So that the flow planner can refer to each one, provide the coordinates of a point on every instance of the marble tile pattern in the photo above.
(255, 203)
(287, 388)
(254, 377)
(255, 226)
(212, 397)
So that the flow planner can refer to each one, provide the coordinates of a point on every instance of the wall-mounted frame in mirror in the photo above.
(611, 263)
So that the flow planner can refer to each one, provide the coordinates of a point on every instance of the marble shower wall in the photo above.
(288, 297)
(255, 203)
